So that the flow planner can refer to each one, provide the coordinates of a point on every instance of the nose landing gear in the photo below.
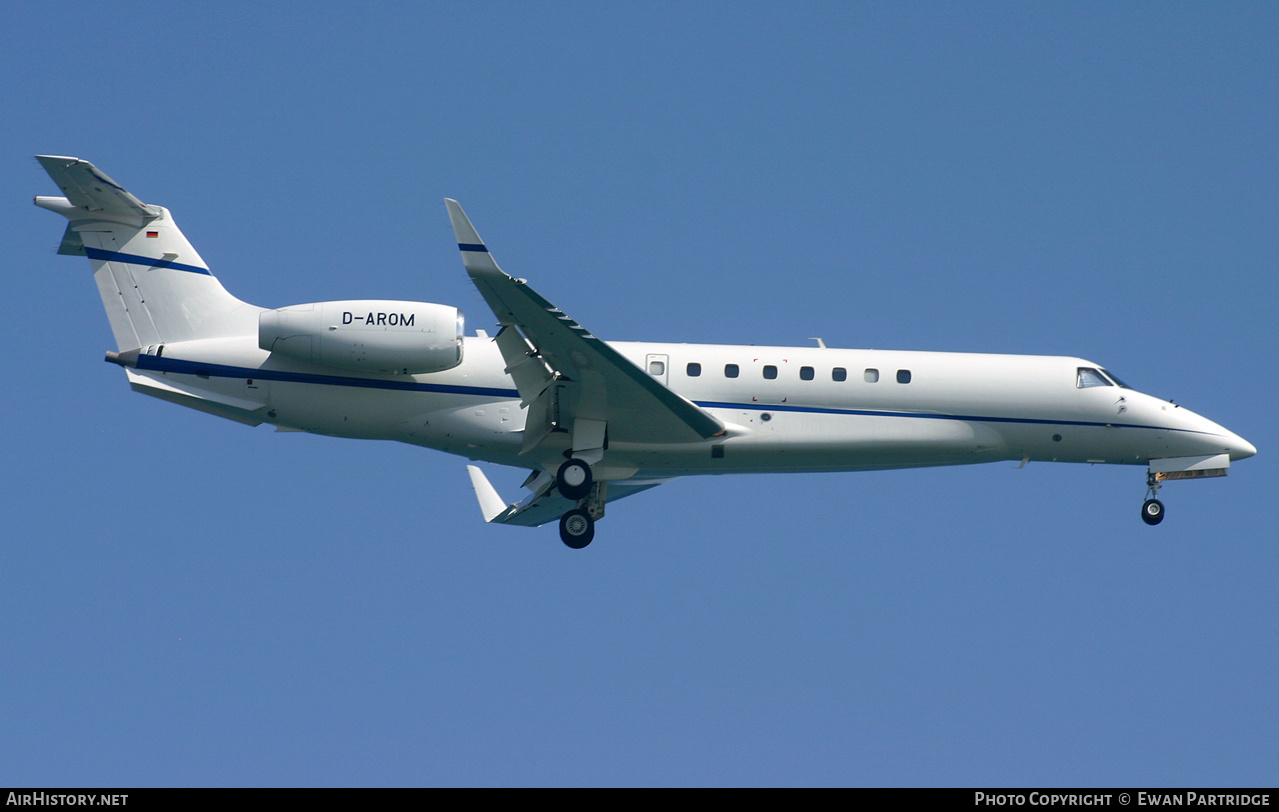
(1152, 510)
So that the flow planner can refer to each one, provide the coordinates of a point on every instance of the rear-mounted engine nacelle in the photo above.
(366, 335)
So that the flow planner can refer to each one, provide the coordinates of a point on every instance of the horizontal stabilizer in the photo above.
(89, 189)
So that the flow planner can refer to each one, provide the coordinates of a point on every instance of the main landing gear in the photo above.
(575, 481)
(577, 528)
(1152, 510)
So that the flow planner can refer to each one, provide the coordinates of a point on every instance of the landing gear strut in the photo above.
(1152, 510)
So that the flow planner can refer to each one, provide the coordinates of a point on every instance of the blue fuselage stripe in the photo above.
(134, 259)
(764, 407)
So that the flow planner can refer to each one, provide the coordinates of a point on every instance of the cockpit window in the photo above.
(1118, 382)
(1089, 377)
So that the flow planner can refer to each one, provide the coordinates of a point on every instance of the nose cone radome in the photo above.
(1214, 438)
(1240, 449)
(1223, 439)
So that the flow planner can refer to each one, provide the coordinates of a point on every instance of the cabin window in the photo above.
(1087, 377)
(839, 374)
(903, 376)
(805, 373)
(871, 376)
(770, 372)
(694, 370)
(656, 367)
(730, 370)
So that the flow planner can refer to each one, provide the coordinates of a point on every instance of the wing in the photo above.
(544, 505)
(564, 373)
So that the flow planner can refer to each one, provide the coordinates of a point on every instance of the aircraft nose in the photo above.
(1240, 449)
(1217, 438)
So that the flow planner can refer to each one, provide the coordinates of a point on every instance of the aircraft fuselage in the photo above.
(784, 408)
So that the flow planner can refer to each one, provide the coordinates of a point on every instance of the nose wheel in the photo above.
(1152, 510)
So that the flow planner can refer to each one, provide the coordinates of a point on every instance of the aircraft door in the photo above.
(659, 367)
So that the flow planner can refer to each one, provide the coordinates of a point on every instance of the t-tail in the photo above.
(155, 287)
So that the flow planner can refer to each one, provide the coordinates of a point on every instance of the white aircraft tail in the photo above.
(155, 287)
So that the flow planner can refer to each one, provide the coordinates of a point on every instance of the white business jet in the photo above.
(593, 421)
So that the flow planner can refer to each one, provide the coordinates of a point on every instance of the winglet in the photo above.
(475, 256)
(491, 505)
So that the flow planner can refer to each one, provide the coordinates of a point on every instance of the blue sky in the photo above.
(191, 602)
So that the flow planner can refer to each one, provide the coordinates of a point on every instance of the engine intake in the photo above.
(366, 335)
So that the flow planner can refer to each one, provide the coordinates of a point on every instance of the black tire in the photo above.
(1152, 511)
(577, 528)
(574, 479)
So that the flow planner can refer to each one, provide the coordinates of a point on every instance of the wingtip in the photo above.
(53, 162)
(475, 254)
(462, 228)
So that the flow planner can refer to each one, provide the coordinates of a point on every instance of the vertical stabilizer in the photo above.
(156, 289)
